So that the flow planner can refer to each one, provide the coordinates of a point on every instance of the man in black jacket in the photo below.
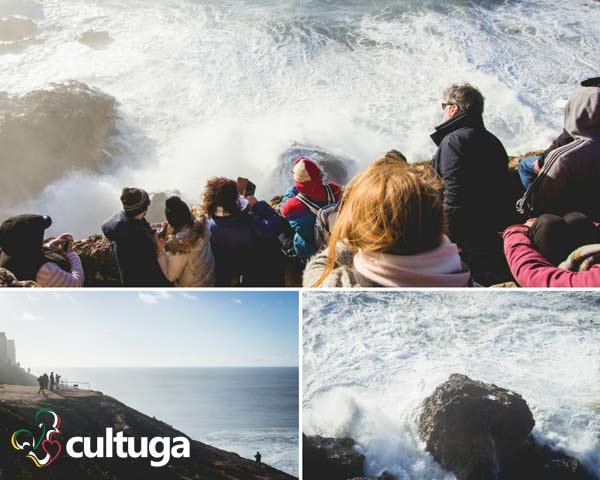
(133, 242)
(474, 168)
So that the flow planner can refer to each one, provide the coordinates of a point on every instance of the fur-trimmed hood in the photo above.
(186, 240)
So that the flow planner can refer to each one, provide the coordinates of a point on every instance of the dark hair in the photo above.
(465, 96)
(221, 192)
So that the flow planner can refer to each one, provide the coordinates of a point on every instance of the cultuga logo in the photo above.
(43, 449)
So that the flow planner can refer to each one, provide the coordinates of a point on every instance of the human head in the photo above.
(221, 196)
(462, 98)
(178, 213)
(582, 113)
(23, 233)
(307, 174)
(390, 207)
(135, 201)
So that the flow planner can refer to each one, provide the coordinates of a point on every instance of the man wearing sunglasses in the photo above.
(474, 168)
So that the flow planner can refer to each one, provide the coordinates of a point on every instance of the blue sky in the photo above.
(152, 328)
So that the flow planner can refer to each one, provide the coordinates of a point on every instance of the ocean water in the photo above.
(241, 410)
(223, 88)
(370, 359)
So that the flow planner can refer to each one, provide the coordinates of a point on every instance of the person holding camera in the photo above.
(184, 252)
(244, 236)
(133, 242)
(54, 264)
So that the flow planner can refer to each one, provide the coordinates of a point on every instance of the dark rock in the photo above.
(480, 431)
(99, 265)
(474, 429)
(330, 458)
(96, 39)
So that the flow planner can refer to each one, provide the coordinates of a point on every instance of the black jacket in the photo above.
(133, 245)
(474, 168)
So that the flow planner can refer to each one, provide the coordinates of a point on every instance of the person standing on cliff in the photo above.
(57, 377)
(473, 165)
(258, 458)
(133, 242)
(40, 381)
(51, 381)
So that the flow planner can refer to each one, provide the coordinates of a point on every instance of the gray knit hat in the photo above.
(135, 201)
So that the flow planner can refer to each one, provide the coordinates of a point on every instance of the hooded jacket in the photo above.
(570, 176)
(473, 165)
(187, 259)
(132, 243)
(309, 182)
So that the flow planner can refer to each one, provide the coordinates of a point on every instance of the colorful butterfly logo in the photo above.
(45, 450)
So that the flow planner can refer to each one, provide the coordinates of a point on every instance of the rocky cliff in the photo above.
(89, 414)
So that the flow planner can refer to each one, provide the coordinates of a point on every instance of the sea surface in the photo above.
(370, 359)
(224, 88)
(242, 410)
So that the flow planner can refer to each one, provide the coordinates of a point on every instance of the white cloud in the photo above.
(189, 296)
(152, 298)
(236, 300)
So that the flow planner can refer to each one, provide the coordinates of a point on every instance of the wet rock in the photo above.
(474, 429)
(14, 29)
(482, 431)
(96, 39)
(99, 265)
(46, 133)
(331, 458)
(7, 279)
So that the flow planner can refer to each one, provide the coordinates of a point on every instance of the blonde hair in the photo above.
(392, 207)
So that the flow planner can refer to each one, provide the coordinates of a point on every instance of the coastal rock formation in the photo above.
(7, 279)
(89, 414)
(46, 133)
(330, 458)
(13, 29)
(481, 431)
(98, 262)
(95, 39)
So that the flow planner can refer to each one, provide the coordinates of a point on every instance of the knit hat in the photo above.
(135, 201)
(177, 212)
(23, 231)
(307, 170)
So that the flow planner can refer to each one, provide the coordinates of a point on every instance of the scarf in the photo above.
(440, 267)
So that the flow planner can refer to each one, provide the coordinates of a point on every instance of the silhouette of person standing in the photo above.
(40, 380)
(57, 377)
(51, 381)
(258, 458)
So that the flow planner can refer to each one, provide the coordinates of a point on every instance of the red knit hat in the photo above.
(307, 172)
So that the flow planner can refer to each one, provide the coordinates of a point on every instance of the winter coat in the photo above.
(246, 244)
(301, 218)
(187, 259)
(570, 176)
(324, 224)
(531, 269)
(474, 168)
(563, 139)
(133, 245)
(440, 267)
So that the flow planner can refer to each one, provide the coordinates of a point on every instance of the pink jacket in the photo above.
(531, 269)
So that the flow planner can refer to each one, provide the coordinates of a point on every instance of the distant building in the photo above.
(3, 349)
(12, 353)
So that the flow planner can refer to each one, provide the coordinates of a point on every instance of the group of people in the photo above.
(53, 382)
(455, 223)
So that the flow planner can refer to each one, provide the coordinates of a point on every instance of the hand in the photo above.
(160, 242)
(536, 167)
(529, 223)
(252, 200)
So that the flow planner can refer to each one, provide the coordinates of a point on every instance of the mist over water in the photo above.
(370, 359)
(224, 88)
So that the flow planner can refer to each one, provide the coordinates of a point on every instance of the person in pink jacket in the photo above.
(530, 268)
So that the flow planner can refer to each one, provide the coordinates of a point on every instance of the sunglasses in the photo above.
(444, 105)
